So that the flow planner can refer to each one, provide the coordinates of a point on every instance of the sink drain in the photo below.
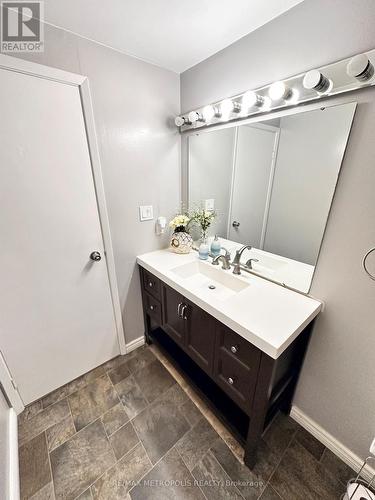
(211, 287)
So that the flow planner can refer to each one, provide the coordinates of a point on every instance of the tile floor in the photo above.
(127, 430)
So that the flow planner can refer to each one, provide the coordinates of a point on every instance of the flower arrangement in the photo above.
(179, 223)
(203, 218)
(181, 241)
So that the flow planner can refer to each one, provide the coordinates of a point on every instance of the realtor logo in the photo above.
(22, 26)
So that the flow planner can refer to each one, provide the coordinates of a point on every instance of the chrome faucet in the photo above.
(249, 263)
(224, 259)
(237, 259)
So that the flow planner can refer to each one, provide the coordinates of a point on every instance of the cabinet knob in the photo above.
(234, 349)
(230, 381)
(152, 308)
(150, 284)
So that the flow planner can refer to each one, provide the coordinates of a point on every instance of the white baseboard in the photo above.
(134, 344)
(340, 450)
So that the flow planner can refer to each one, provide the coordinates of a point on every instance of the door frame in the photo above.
(81, 82)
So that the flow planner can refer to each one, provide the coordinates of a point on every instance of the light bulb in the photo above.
(179, 121)
(226, 108)
(360, 67)
(294, 98)
(208, 113)
(251, 99)
(278, 91)
(315, 80)
(267, 103)
(194, 116)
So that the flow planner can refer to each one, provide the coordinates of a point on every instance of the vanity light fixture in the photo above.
(194, 116)
(315, 80)
(348, 74)
(181, 120)
(360, 67)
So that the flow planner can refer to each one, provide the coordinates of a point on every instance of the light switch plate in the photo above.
(209, 204)
(146, 212)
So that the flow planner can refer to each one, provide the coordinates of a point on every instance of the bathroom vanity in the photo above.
(240, 340)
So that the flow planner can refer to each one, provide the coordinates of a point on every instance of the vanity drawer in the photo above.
(153, 308)
(238, 347)
(236, 379)
(151, 284)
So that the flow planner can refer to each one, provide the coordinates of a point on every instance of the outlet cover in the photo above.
(209, 204)
(146, 212)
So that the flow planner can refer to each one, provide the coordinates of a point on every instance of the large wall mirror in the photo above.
(271, 183)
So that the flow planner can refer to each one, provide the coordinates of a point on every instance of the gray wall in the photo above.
(336, 386)
(314, 33)
(210, 173)
(310, 152)
(134, 103)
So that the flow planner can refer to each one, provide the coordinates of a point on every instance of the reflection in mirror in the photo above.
(271, 183)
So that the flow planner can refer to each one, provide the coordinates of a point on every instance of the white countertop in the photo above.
(289, 272)
(267, 315)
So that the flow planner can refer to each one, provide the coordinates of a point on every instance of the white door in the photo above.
(252, 184)
(57, 319)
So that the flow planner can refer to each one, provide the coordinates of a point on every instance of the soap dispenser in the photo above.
(215, 246)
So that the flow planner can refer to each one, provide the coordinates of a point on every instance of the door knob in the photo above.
(235, 224)
(95, 256)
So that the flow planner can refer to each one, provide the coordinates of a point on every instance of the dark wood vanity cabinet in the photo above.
(185, 323)
(234, 377)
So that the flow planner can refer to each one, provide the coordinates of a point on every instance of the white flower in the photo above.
(179, 220)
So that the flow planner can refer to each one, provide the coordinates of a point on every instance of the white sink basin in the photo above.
(209, 280)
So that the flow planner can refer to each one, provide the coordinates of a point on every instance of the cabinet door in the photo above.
(200, 336)
(173, 323)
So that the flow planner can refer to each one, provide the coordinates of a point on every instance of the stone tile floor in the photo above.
(127, 430)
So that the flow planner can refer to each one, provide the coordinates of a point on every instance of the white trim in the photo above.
(80, 81)
(134, 344)
(9, 386)
(14, 486)
(40, 71)
(271, 179)
(88, 114)
(232, 180)
(338, 448)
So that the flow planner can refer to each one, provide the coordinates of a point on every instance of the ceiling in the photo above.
(174, 34)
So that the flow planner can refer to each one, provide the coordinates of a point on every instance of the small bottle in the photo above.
(215, 246)
(204, 250)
